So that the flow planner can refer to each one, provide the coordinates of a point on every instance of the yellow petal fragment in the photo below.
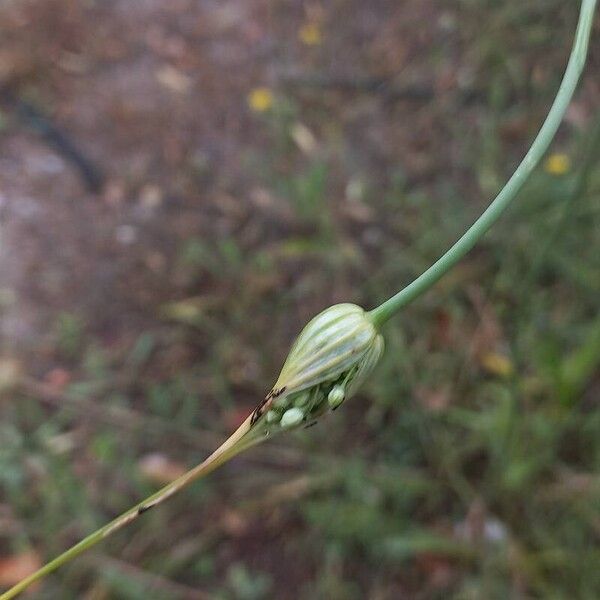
(557, 164)
(310, 34)
(497, 364)
(260, 99)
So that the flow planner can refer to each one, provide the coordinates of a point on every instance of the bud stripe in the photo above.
(309, 378)
(328, 321)
(351, 353)
(335, 342)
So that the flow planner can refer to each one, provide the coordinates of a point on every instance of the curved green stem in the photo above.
(247, 435)
(539, 146)
(242, 439)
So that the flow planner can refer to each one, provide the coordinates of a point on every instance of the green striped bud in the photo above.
(328, 362)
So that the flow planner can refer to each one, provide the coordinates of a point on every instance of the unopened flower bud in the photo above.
(328, 362)
(281, 402)
(272, 416)
(301, 399)
(336, 396)
(291, 418)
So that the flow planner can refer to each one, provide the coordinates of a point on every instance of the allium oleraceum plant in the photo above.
(339, 348)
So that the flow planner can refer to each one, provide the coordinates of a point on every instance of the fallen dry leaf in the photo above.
(17, 567)
(160, 469)
(304, 138)
(489, 329)
(234, 523)
(57, 379)
(433, 400)
(497, 364)
(173, 79)
(189, 311)
(10, 373)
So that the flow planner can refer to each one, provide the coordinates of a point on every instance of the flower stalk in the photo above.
(539, 146)
(339, 348)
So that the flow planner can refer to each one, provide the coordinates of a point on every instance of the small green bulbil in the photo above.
(301, 399)
(282, 402)
(336, 396)
(291, 418)
(272, 416)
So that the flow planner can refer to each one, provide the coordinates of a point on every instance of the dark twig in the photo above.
(34, 119)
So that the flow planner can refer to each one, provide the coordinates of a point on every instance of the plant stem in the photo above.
(245, 436)
(539, 146)
(242, 439)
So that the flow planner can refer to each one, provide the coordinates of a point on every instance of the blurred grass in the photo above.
(468, 468)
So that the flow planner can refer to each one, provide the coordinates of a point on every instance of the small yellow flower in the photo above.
(310, 34)
(557, 164)
(497, 364)
(260, 99)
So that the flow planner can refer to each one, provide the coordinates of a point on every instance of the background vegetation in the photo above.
(183, 184)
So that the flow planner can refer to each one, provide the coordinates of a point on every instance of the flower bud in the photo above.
(291, 418)
(328, 362)
(336, 396)
(273, 416)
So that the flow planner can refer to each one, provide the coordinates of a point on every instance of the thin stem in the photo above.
(242, 439)
(539, 146)
(246, 435)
